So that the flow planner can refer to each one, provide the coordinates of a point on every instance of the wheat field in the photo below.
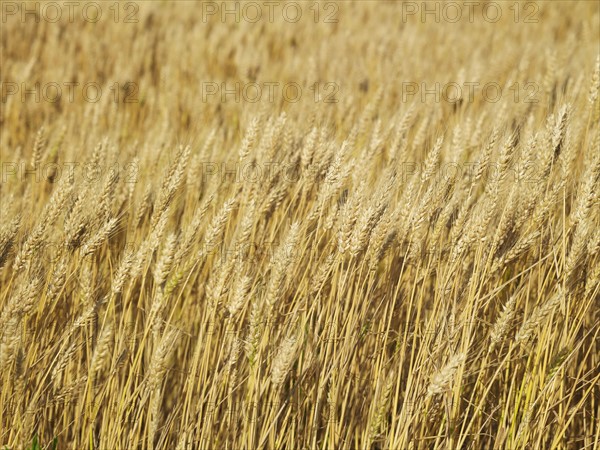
(364, 225)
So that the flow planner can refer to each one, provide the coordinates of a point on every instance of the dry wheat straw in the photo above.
(103, 268)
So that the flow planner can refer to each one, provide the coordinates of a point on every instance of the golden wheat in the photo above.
(199, 258)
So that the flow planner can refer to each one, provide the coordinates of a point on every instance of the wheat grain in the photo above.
(442, 379)
(283, 360)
